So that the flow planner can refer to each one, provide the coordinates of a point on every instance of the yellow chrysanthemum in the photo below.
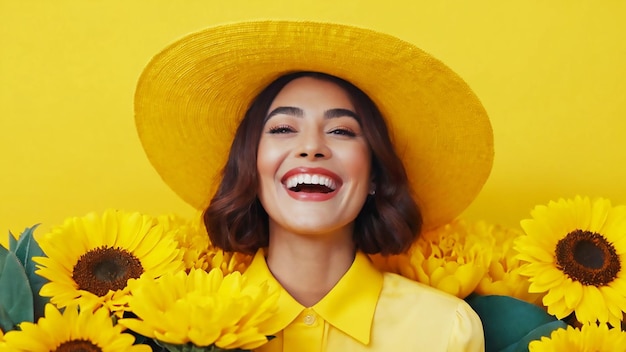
(589, 338)
(203, 309)
(503, 276)
(196, 247)
(228, 262)
(191, 238)
(72, 331)
(452, 258)
(90, 259)
(575, 251)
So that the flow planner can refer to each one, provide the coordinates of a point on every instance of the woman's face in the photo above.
(313, 160)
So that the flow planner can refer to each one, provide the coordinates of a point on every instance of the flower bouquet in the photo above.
(556, 284)
(122, 281)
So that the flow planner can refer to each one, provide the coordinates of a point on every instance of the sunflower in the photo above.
(203, 309)
(590, 337)
(90, 259)
(72, 331)
(503, 276)
(575, 252)
(452, 258)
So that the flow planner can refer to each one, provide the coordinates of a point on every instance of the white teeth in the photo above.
(310, 179)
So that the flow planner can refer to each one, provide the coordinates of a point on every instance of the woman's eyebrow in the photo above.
(297, 112)
(339, 112)
(286, 110)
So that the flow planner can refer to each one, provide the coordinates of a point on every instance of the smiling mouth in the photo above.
(311, 188)
(310, 183)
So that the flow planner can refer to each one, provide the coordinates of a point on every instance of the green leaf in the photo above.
(6, 323)
(189, 347)
(12, 241)
(25, 249)
(16, 297)
(507, 320)
(26, 246)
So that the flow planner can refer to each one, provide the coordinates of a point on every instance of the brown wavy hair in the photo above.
(388, 222)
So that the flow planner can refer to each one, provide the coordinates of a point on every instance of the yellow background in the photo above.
(552, 75)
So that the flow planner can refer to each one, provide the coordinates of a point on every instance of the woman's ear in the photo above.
(372, 187)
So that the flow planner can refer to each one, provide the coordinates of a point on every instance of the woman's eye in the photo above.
(343, 132)
(280, 129)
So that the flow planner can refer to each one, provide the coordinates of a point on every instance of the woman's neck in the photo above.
(308, 267)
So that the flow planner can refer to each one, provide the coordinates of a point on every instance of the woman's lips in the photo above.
(311, 184)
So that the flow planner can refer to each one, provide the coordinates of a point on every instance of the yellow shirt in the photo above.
(372, 311)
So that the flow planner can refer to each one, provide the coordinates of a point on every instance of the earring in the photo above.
(372, 189)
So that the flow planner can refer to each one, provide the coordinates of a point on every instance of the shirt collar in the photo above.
(355, 295)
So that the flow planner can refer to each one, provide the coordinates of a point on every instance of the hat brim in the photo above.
(191, 97)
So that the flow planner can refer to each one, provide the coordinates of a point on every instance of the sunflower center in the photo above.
(78, 346)
(104, 269)
(587, 257)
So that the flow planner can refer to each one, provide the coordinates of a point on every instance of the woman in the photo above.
(314, 176)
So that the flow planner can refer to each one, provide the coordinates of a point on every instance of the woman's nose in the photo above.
(313, 146)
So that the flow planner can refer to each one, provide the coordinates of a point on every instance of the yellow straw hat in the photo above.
(192, 96)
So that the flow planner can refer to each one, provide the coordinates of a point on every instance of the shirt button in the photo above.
(309, 319)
